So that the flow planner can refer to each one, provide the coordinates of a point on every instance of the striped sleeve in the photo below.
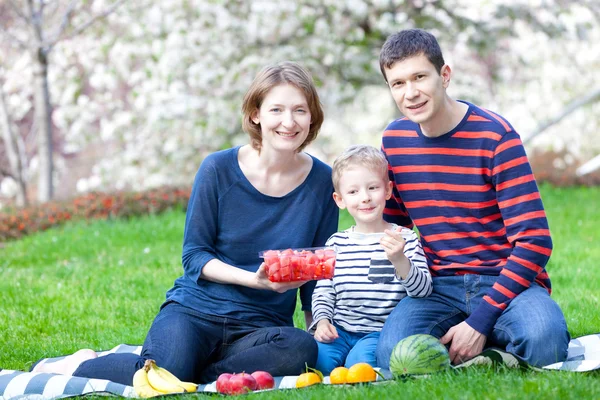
(395, 212)
(418, 281)
(323, 299)
(527, 231)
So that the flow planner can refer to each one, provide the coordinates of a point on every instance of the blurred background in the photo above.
(117, 95)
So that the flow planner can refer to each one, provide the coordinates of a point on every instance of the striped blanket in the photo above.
(584, 355)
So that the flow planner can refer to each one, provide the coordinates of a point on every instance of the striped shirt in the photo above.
(364, 289)
(473, 197)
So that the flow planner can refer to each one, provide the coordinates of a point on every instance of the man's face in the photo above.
(417, 88)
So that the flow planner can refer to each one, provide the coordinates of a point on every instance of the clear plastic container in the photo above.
(307, 264)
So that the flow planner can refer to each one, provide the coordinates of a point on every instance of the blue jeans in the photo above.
(348, 349)
(198, 348)
(532, 326)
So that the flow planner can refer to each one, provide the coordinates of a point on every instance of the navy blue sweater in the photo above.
(230, 220)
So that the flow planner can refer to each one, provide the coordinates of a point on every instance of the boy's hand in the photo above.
(393, 243)
(326, 332)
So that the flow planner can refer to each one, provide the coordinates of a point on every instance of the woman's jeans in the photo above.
(348, 349)
(532, 326)
(197, 348)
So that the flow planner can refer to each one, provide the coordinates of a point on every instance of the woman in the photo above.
(223, 314)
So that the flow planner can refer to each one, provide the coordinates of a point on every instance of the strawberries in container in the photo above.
(307, 264)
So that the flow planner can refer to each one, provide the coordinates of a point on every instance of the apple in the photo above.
(264, 380)
(223, 385)
(241, 383)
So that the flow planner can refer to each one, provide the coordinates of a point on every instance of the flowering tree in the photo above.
(159, 86)
(37, 27)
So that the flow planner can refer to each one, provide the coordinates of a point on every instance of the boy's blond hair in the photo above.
(367, 156)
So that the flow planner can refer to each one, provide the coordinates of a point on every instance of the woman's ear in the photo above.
(254, 117)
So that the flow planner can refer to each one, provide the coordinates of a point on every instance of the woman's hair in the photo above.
(366, 156)
(283, 73)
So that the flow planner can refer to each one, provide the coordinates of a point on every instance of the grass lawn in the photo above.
(99, 284)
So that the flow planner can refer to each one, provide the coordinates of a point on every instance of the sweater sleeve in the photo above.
(201, 221)
(395, 212)
(527, 231)
(418, 281)
(327, 226)
(323, 300)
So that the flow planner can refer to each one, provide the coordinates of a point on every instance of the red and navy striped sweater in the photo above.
(473, 197)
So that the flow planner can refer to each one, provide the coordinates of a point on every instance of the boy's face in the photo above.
(417, 88)
(363, 192)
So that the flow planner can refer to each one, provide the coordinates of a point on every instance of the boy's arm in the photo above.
(323, 303)
(327, 226)
(418, 281)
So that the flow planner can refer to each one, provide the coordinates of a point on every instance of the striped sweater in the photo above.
(473, 197)
(364, 289)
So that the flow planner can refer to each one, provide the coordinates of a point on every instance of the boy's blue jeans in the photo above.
(198, 348)
(348, 349)
(532, 326)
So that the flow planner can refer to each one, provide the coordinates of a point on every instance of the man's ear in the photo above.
(446, 74)
(339, 201)
(388, 193)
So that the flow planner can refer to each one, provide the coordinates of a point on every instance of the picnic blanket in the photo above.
(583, 356)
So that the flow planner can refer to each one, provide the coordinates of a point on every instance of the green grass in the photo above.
(100, 284)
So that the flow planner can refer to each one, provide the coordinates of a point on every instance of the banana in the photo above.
(164, 381)
(169, 377)
(142, 386)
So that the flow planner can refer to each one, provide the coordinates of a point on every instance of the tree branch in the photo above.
(66, 19)
(13, 39)
(590, 97)
(18, 11)
(95, 18)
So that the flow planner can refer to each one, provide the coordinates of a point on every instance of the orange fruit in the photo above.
(361, 372)
(307, 379)
(338, 376)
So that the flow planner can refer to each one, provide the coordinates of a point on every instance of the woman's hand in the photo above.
(263, 282)
(326, 332)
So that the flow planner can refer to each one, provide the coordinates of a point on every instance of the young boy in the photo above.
(377, 264)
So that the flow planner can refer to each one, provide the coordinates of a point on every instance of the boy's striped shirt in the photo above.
(361, 296)
(473, 197)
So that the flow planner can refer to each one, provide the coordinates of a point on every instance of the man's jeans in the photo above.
(198, 348)
(348, 349)
(532, 326)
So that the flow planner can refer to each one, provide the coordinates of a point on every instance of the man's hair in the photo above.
(366, 156)
(283, 73)
(409, 43)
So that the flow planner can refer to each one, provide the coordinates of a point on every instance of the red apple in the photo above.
(264, 380)
(223, 385)
(241, 383)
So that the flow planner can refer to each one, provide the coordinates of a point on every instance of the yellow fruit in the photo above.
(339, 376)
(308, 379)
(361, 372)
(142, 386)
(172, 379)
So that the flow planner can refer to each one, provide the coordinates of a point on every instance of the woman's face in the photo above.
(284, 118)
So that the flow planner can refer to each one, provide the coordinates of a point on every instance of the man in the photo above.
(461, 175)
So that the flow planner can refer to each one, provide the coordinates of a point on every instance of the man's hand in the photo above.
(466, 342)
(326, 332)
